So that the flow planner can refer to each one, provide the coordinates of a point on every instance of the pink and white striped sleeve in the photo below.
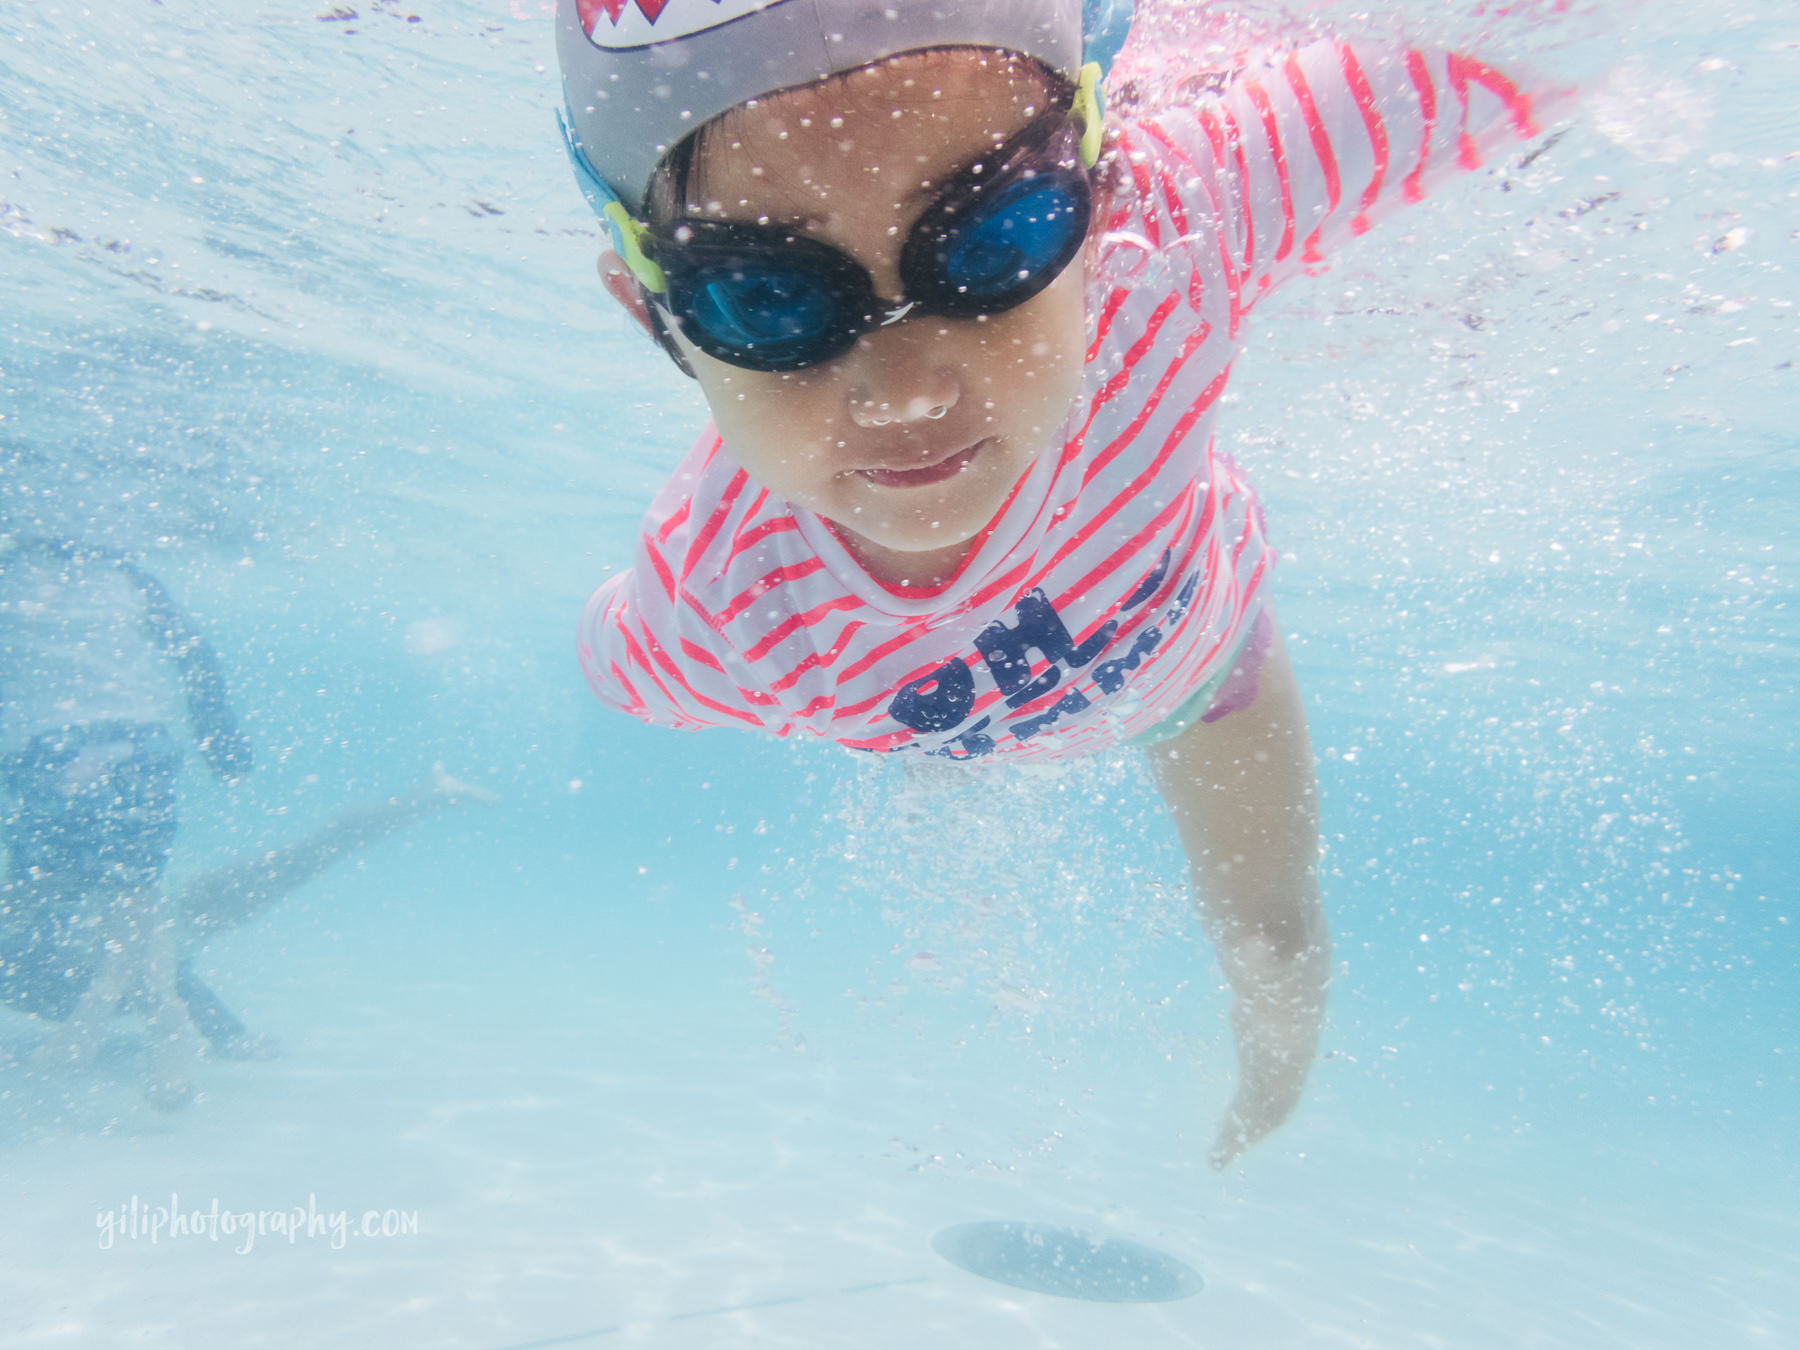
(647, 651)
(1314, 145)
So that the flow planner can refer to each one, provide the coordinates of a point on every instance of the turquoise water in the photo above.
(694, 1040)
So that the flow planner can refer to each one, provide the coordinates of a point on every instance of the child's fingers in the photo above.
(1233, 1139)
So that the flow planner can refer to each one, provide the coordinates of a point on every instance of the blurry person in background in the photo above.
(100, 676)
(99, 672)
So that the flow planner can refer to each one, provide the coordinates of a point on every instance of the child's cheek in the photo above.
(1053, 352)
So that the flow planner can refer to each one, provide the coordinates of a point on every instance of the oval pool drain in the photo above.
(1066, 1262)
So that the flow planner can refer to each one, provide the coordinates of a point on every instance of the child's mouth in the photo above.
(931, 473)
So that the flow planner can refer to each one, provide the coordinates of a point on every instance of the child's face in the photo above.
(913, 439)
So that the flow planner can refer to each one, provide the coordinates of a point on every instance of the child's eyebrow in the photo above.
(798, 219)
(934, 183)
(909, 202)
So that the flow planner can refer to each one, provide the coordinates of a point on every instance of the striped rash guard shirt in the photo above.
(1124, 571)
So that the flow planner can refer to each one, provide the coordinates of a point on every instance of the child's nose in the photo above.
(871, 412)
(900, 383)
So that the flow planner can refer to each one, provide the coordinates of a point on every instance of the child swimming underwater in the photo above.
(963, 341)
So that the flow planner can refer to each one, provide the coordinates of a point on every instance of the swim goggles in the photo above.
(764, 298)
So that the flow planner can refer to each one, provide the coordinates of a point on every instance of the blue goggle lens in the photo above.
(1031, 228)
(750, 306)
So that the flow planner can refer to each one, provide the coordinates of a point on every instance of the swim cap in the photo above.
(639, 75)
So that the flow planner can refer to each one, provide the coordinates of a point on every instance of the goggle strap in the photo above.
(628, 239)
(1089, 112)
(627, 234)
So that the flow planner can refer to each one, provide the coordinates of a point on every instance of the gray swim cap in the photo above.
(639, 75)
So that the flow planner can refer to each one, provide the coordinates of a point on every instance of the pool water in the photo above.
(699, 1040)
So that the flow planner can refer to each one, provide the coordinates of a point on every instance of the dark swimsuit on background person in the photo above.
(90, 814)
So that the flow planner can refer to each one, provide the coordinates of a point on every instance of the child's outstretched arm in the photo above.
(1244, 797)
(1312, 147)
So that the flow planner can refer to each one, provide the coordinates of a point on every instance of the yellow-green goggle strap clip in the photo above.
(628, 238)
(1089, 112)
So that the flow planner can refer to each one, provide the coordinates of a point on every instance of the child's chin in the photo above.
(938, 526)
(922, 538)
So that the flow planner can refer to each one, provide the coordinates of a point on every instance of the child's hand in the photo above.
(1236, 1134)
(1277, 1014)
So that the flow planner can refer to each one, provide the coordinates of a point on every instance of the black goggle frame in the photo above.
(1048, 147)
